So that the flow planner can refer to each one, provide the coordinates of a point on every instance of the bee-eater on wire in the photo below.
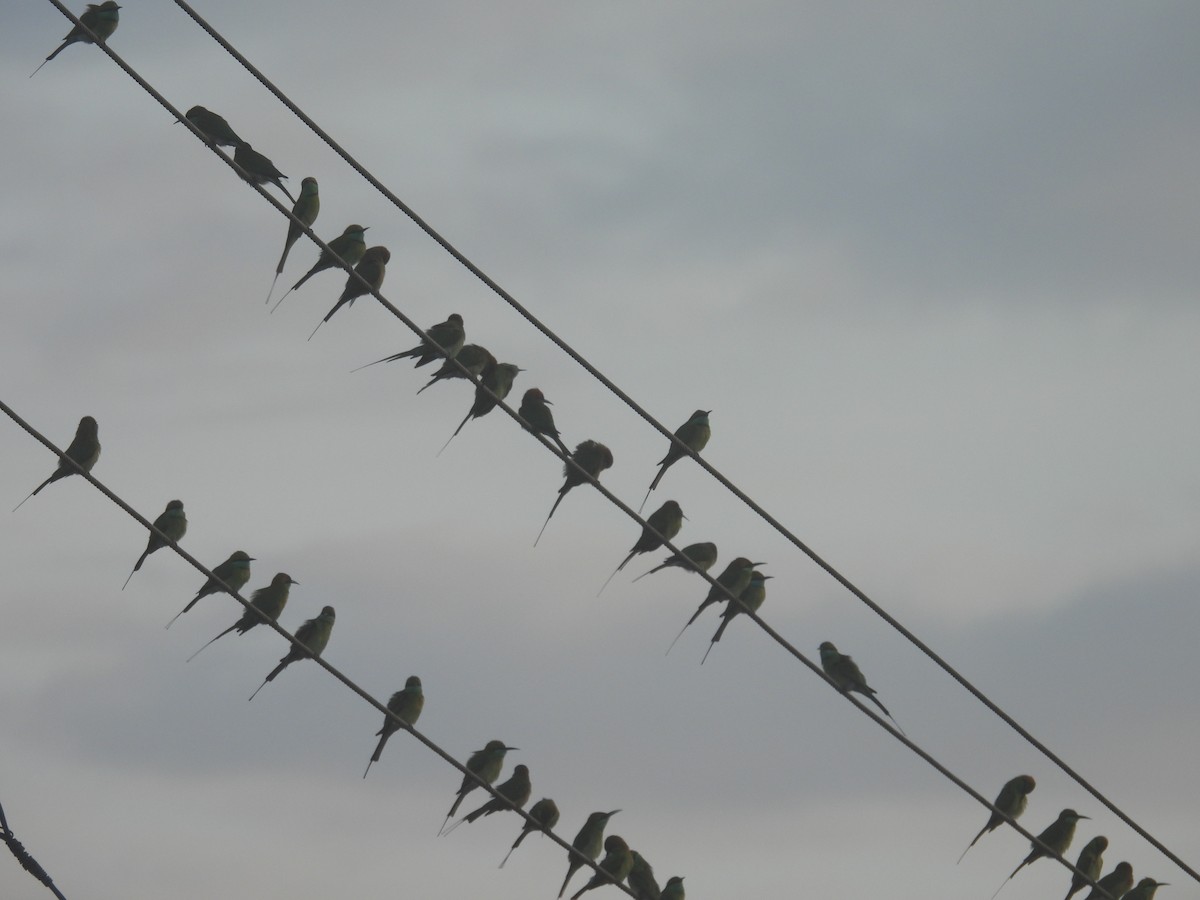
(472, 357)
(235, 572)
(614, 868)
(1145, 889)
(349, 246)
(590, 456)
(673, 889)
(751, 598)
(694, 435)
(499, 380)
(667, 520)
(1057, 837)
(313, 636)
(734, 579)
(444, 341)
(535, 410)
(1091, 864)
(405, 705)
(171, 522)
(372, 267)
(484, 765)
(265, 605)
(308, 204)
(257, 169)
(1012, 800)
(846, 676)
(102, 19)
(699, 557)
(544, 814)
(641, 879)
(84, 450)
(588, 842)
(215, 129)
(515, 791)
(1113, 886)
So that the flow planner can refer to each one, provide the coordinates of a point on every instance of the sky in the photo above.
(931, 266)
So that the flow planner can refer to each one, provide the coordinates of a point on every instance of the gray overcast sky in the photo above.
(931, 265)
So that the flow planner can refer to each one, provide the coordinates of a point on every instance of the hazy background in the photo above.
(933, 268)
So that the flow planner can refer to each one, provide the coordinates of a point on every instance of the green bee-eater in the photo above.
(1091, 863)
(485, 766)
(257, 169)
(847, 677)
(591, 456)
(213, 127)
(313, 635)
(173, 523)
(266, 604)
(535, 410)
(102, 19)
(700, 557)
(734, 579)
(673, 889)
(545, 816)
(515, 791)
(641, 879)
(666, 520)
(472, 357)
(588, 842)
(1012, 800)
(407, 705)
(694, 434)
(84, 449)
(499, 380)
(1057, 837)
(372, 267)
(306, 208)
(444, 341)
(1116, 884)
(350, 246)
(235, 572)
(614, 868)
(751, 598)
(1145, 889)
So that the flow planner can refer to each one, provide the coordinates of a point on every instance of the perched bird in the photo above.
(484, 765)
(614, 868)
(588, 842)
(693, 434)
(665, 521)
(372, 267)
(847, 677)
(590, 456)
(213, 127)
(257, 169)
(235, 572)
(305, 209)
(1145, 889)
(1116, 884)
(102, 19)
(1011, 800)
(751, 598)
(700, 557)
(499, 380)
(444, 341)
(535, 410)
(673, 889)
(407, 705)
(84, 450)
(515, 792)
(173, 523)
(734, 579)
(641, 879)
(350, 246)
(1091, 863)
(313, 635)
(1057, 837)
(472, 357)
(265, 604)
(545, 816)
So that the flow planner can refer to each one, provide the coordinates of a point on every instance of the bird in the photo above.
(102, 19)
(1145, 889)
(472, 357)
(349, 246)
(700, 557)
(171, 522)
(535, 410)
(665, 521)
(734, 579)
(847, 677)
(499, 380)
(590, 456)
(588, 842)
(257, 169)
(265, 605)
(214, 127)
(235, 572)
(673, 889)
(614, 868)
(544, 814)
(515, 791)
(83, 450)
(306, 208)
(1116, 884)
(406, 705)
(1011, 801)
(694, 435)
(1056, 837)
(483, 765)
(444, 341)
(313, 635)
(641, 879)
(371, 268)
(1091, 863)
(751, 598)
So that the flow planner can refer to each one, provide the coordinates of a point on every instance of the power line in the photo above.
(25, 858)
